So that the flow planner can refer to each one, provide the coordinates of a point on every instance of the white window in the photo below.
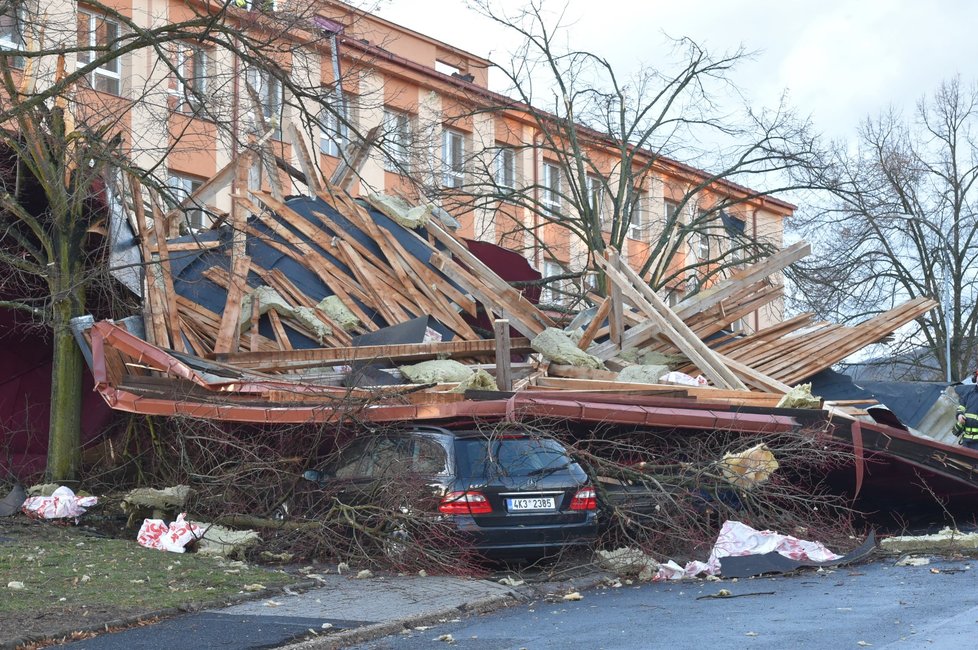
(191, 83)
(703, 247)
(95, 30)
(453, 158)
(671, 209)
(181, 187)
(638, 217)
(397, 137)
(11, 32)
(551, 187)
(506, 167)
(333, 136)
(552, 292)
(595, 196)
(269, 92)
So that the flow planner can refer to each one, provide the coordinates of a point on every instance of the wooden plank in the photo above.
(340, 356)
(305, 160)
(227, 334)
(153, 302)
(574, 372)
(595, 325)
(616, 323)
(639, 335)
(647, 301)
(280, 336)
(166, 271)
(255, 316)
(504, 373)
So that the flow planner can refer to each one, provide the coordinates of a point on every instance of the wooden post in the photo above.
(255, 316)
(504, 369)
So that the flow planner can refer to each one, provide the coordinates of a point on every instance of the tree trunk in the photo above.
(64, 434)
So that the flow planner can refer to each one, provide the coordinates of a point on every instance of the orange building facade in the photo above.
(188, 127)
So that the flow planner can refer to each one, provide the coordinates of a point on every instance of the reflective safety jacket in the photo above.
(969, 409)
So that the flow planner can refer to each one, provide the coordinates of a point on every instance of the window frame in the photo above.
(271, 96)
(333, 132)
(17, 20)
(595, 197)
(550, 179)
(452, 158)
(84, 57)
(506, 166)
(397, 123)
(638, 218)
(194, 215)
(193, 78)
(550, 293)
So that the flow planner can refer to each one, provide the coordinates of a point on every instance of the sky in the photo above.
(839, 60)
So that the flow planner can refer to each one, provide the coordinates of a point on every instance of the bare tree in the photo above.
(604, 145)
(897, 221)
(90, 93)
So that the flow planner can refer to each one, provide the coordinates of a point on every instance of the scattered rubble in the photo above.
(224, 542)
(157, 504)
(947, 540)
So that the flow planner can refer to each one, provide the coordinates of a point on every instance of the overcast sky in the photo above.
(839, 60)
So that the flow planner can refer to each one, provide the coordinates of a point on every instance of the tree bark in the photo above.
(64, 433)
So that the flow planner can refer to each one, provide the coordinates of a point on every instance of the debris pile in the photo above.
(308, 305)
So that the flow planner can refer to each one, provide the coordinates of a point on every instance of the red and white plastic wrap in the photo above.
(154, 533)
(62, 503)
(737, 539)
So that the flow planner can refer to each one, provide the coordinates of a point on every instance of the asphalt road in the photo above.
(876, 605)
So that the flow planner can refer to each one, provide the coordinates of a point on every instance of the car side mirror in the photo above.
(314, 475)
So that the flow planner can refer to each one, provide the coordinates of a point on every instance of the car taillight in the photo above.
(585, 499)
(464, 503)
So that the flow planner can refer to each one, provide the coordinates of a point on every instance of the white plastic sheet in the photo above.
(737, 539)
(154, 533)
(683, 379)
(61, 504)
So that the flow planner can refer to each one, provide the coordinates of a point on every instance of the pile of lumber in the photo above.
(386, 274)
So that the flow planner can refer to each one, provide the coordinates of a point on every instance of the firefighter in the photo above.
(966, 425)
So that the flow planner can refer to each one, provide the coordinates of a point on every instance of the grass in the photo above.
(75, 573)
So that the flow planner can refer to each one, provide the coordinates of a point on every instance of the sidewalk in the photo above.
(343, 611)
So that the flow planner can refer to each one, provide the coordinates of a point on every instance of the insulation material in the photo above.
(750, 467)
(333, 307)
(269, 298)
(642, 374)
(479, 380)
(651, 358)
(171, 498)
(62, 504)
(947, 540)
(628, 561)
(682, 379)
(432, 372)
(224, 542)
(402, 212)
(557, 347)
(800, 397)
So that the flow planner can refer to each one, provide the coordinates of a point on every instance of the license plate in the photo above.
(538, 503)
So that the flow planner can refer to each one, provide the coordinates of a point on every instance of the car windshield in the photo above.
(480, 457)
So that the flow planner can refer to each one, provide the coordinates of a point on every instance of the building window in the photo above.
(397, 138)
(703, 247)
(553, 292)
(506, 167)
(639, 219)
(671, 209)
(334, 129)
(191, 83)
(95, 30)
(268, 89)
(595, 196)
(11, 33)
(551, 188)
(453, 158)
(181, 187)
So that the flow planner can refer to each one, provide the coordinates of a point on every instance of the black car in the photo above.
(511, 494)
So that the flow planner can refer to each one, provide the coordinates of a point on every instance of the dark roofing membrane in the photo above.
(189, 267)
(908, 400)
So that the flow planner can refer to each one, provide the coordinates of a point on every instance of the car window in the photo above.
(428, 457)
(351, 460)
(510, 456)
